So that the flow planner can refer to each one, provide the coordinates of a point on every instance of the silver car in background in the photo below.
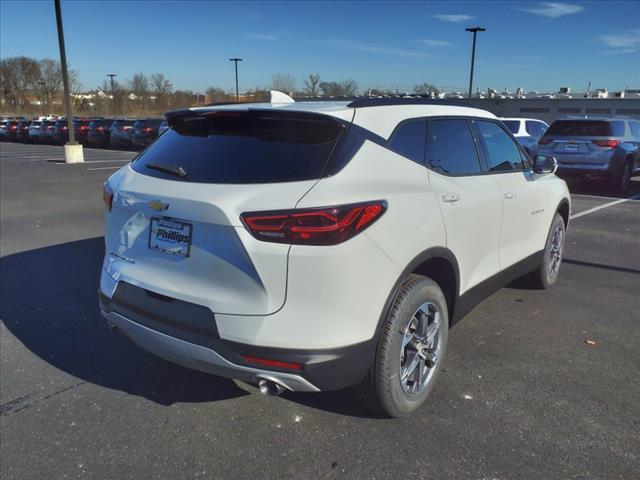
(598, 148)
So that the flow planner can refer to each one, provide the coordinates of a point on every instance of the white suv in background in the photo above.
(528, 131)
(316, 246)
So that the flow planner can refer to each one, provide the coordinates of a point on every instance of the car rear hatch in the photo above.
(580, 141)
(175, 229)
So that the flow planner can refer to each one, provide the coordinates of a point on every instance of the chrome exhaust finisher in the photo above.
(270, 388)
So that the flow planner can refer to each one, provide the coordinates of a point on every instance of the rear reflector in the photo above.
(316, 226)
(606, 143)
(265, 362)
(544, 141)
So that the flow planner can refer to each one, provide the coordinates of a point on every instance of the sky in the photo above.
(535, 45)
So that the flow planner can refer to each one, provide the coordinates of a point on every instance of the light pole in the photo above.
(113, 91)
(236, 60)
(72, 150)
(475, 31)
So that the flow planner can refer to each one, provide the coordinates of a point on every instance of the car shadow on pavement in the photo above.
(601, 189)
(48, 301)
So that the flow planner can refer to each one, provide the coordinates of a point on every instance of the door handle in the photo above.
(510, 195)
(450, 198)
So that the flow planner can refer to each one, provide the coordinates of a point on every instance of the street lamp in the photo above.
(236, 60)
(475, 31)
(113, 91)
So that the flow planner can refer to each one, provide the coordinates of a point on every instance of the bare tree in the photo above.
(312, 85)
(349, 87)
(161, 88)
(215, 94)
(50, 82)
(283, 82)
(18, 75)
(139, 86)
(426, 89)
(345, 88)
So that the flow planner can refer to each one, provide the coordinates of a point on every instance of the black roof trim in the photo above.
(379, 102)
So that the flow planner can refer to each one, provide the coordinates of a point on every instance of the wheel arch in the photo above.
(437, 263)
(564, 210)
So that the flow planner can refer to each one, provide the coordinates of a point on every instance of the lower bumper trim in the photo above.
(201, 358)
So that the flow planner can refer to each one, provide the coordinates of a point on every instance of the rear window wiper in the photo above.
(176, 170)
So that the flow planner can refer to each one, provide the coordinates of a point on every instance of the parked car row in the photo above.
(92, 132)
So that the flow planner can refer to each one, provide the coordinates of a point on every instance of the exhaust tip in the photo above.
(270, 388)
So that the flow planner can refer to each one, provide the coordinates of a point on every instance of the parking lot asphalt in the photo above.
(536, 384)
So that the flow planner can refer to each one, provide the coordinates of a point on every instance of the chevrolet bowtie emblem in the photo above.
(157, 205)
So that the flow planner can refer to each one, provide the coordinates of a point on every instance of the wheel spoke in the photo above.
(415, 361)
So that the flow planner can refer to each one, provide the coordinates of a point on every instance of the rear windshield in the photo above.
(244, 147)
(580, 128)
(512, 125)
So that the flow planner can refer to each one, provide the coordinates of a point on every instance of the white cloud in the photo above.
(435, 43)
(629, 39)
(453, 17)
(554, 10)
(620, 52)
(262, 36)
(386, 50)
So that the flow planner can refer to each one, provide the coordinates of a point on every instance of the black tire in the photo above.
(624, 181)
(382, 390)
(544, 276)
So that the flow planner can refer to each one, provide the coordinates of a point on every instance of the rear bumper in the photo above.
(187, 334)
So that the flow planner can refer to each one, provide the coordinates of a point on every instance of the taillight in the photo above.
(13, 127)
(147, 129)
(606, 143)
(100, 129)
(83, 127)
(316, 226)
(107, 196)
(544, 141)
(266, 362)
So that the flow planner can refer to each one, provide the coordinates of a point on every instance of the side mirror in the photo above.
(545, 164)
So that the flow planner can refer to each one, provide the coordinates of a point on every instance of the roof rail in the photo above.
(378, 102)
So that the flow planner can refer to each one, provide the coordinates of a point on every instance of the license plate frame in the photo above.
(571, 147)
(176, 247)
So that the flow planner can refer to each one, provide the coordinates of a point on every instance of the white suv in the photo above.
(316, 246)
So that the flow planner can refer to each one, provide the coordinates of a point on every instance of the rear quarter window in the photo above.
(512, 125)
(409, 140)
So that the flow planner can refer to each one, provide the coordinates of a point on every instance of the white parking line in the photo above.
(606, 205)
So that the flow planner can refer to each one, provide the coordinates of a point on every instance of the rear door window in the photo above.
(535, 129)
(409, 140)
(450, 147)
(501, 152)
(635, 129)
(244, 147)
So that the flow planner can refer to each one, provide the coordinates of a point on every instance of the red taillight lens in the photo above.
(13, 127)
(147, 129)
(107, 196)
(265, 362)
(317, 226)
(100, 129)
(544, 141)
(606, 143)
(83, 127)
